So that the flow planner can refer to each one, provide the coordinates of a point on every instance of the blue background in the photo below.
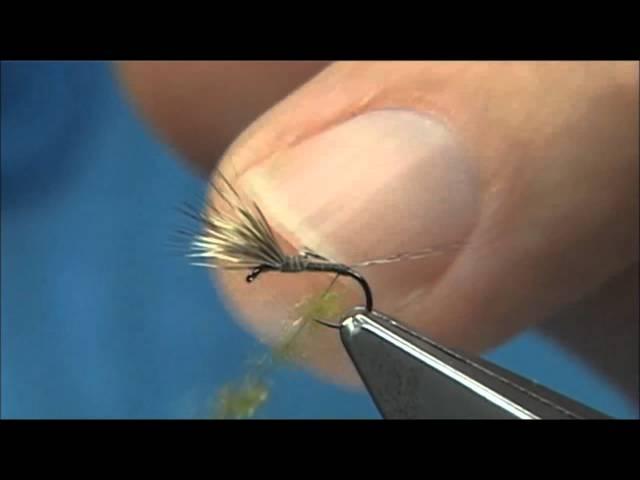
(100, 317)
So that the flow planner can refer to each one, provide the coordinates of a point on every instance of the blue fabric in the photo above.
(101, 318)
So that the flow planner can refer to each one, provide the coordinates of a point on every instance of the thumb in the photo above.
(369, 160)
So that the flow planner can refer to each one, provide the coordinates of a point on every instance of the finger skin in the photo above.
(603, 328)
(199, 107)
(555, 150)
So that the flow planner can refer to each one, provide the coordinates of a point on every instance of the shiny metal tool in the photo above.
(412, 377)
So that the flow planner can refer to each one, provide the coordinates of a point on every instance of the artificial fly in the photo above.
(242, 239)
(239, 237)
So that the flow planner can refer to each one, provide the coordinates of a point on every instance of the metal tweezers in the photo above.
(412, 377)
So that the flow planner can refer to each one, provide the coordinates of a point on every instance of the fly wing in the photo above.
(238, 238)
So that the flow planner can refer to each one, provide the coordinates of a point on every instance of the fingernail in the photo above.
(378, 184)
